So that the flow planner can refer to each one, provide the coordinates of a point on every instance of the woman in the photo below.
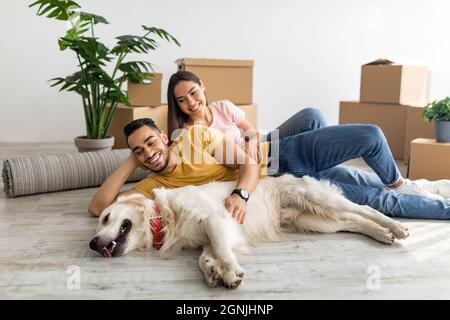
(188, 105)
(224, 115)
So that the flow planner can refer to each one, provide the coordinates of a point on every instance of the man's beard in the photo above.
(164, 165)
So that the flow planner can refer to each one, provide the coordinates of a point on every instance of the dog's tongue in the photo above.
(107, 253)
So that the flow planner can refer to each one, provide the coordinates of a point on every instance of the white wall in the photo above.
(307, 53)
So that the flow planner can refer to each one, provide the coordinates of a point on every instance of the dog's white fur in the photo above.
(196, 216)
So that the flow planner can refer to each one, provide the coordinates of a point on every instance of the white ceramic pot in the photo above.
(86, 145)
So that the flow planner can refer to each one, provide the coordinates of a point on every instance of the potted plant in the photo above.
(439, 111)
(100, 90)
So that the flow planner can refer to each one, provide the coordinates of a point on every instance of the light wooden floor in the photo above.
(41, 236)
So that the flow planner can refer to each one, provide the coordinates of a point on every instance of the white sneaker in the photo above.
(440, 187)
(411, 187)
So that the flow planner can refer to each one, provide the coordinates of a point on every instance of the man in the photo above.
(197, 157)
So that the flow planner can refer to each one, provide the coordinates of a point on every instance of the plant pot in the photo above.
(86, 145)
(442, 131)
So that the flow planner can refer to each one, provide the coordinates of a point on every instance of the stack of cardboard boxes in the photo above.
(145, 100)
(223, 79)
(392, 96)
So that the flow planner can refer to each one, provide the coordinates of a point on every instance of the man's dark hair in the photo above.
(136, 124)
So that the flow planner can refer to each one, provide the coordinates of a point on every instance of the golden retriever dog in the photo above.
(195, 216)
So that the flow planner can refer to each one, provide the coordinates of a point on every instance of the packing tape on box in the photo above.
(49, 173)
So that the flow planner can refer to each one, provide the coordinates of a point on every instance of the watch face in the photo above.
(242, 193)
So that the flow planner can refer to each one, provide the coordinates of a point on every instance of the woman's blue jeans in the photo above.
(306, 146)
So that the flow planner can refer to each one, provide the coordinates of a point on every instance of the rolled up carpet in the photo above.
(48, 173)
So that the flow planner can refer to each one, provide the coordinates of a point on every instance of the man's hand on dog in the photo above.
(237, 207)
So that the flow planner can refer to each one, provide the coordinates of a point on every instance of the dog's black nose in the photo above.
(93, 244)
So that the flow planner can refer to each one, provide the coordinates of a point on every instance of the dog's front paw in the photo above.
(387, 237)
(233, 278)
(214, 276)
(239, 272)
(399, 231)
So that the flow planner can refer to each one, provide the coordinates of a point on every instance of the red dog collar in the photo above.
(156, 226)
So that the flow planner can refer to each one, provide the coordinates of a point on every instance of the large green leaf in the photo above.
(75, 82)
(58, 9)
(130, 43)
(79, 27)
(136, 66)
(163, 34)
(142, 44)
(135, 71)
(89, 49)
(85, 16)
(102, 77)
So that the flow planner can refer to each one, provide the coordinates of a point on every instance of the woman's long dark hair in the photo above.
(176, 119)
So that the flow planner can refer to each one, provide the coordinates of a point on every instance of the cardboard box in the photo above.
(145, 94)
(429, 160)
(391, 118)
(126, 114)
(223, 79)
(386, 81)
(416, 127)
(251, 114)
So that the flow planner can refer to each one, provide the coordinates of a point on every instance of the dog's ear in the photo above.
(131, 196)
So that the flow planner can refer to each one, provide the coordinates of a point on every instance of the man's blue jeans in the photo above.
(308, 147)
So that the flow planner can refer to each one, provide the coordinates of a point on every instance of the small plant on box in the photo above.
(100, 90)
(439, 111)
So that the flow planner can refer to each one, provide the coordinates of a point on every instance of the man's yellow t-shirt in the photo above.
(195, 163)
